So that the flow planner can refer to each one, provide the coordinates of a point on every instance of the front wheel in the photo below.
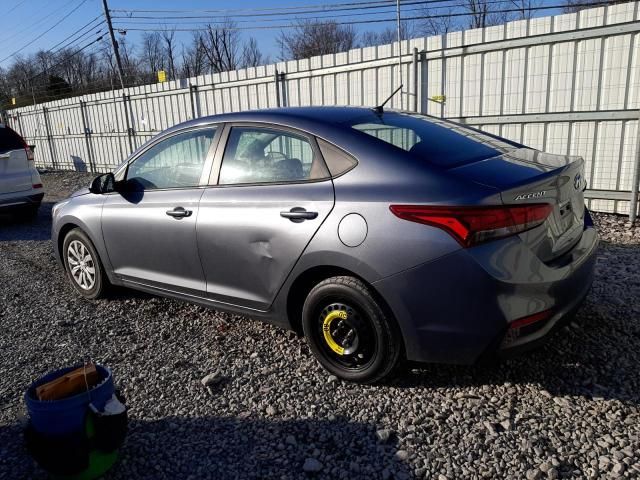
(83, 265)
(348, 332)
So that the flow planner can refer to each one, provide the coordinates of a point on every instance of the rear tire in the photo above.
(348, 331)
(83, 266)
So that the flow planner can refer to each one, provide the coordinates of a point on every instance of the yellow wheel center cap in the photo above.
(326, 330)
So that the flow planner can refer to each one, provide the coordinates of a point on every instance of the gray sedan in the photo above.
(381, 236)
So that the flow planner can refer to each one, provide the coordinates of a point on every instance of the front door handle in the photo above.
(298, 214)
(179, 212)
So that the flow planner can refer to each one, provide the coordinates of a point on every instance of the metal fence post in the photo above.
(284, 99)
(277, 80)
(125, 99)
(195, 101)
(19, 123)
(54, 160)
(633, 206)
(414, 74)
(87, 136)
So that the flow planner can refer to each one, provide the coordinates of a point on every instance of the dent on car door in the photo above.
(149, 225)
(274, 192)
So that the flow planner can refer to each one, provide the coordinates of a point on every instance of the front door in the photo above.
(149, 226)
(273, 193)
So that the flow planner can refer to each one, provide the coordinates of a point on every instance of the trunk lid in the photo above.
(527, 176)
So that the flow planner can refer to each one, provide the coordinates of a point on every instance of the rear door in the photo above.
(273, 193)
(15, 175)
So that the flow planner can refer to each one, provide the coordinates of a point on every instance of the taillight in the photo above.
(473, 225)
(37, 185)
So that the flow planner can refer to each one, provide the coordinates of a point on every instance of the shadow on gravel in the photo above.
(209, 447)
(581, 360)
(16, 227)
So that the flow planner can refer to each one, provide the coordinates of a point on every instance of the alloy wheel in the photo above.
(81, 265)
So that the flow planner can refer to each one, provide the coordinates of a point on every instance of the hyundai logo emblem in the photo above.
(577, 180)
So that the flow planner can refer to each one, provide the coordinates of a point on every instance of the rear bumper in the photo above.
(17, 200)
(457, 309)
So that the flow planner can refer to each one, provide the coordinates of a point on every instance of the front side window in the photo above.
(176, 162)
(264, 155)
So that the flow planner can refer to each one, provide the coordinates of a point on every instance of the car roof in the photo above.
(311, 119)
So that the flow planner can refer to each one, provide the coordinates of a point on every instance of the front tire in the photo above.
(83, 266)
(348, 331)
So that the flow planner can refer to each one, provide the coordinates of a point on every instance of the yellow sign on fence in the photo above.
(162, 76)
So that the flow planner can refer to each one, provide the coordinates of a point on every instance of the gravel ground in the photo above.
(569, 410)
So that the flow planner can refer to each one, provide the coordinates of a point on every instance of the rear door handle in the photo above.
(179, 212)
(299, 214)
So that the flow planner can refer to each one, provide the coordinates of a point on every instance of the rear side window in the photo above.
(10, 140)
(266, 155)
(438, 142)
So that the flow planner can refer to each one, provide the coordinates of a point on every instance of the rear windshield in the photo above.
(438, 142)
(9, 140)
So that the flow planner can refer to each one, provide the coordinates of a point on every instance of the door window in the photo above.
(263, 155)
(176, 162)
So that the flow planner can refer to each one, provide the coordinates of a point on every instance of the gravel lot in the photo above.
(569, 410)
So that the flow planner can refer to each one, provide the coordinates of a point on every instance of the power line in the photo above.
(130, 21)
(368, 6)
(358, 22)
(66, 57)
(326, 6)
(37, 22)
(46, 31)
(16, 6)
(76, 32)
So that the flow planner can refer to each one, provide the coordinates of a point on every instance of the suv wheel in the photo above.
(348, 332)
(83, 265)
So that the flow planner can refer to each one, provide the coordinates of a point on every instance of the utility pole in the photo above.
(114, 43)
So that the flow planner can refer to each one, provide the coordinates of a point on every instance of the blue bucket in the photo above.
(59, 417)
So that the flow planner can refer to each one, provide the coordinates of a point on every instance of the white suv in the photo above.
(20, 185)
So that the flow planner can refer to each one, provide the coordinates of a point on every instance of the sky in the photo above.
(24, 20)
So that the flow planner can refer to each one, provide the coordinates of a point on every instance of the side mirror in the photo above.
(105, 183)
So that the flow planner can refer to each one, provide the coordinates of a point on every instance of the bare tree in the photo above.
(220, 44)
(485, 13)
(571, 6)
(193, 58)
(168, 38)
(251, 55)
(389, 35)
(440, 22)
(526, 8)
(151, 53)
(310, 38)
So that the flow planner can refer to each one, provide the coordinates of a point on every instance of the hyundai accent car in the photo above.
(21, 189)
(381, 236)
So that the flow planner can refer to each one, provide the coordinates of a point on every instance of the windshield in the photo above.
(436, 141)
